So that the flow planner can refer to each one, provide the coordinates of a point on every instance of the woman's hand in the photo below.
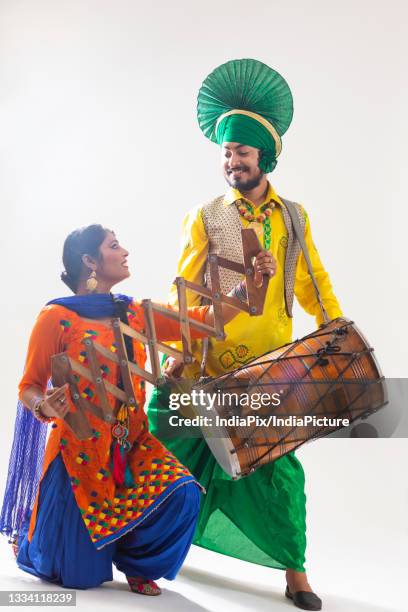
(55, 402)
(264, 263)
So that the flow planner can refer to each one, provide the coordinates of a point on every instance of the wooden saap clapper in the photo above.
(64, 368)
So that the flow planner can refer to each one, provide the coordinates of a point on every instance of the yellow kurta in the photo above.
(248, 337)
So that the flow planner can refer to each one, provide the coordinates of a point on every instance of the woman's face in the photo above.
(112, 264)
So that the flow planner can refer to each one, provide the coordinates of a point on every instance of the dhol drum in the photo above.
(301, 391)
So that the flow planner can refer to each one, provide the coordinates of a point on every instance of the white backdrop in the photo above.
(97, 124)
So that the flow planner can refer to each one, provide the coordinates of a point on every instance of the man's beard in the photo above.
(243, 185)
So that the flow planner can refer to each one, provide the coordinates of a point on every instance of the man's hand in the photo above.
(173, 367)
(264, 263)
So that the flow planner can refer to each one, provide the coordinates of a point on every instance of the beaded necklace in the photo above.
(247, 212)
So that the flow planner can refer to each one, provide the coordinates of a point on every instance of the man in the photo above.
(245, 106)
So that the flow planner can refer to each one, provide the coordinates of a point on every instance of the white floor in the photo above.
(356, 554)
(220, 584)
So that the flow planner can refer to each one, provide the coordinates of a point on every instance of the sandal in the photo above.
(305, 600)
(143, 586)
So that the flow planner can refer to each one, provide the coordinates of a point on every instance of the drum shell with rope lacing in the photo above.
(330, 373)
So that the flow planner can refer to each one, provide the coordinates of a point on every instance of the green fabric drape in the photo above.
(260, 518)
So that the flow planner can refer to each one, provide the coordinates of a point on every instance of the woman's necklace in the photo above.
(247, 212)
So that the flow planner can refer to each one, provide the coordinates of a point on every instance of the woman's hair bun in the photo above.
(66, 278)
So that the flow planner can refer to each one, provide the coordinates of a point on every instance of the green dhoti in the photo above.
(260, 518)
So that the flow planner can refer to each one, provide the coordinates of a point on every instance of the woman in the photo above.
(112, 498)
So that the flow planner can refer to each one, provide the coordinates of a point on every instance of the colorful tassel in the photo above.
(121, 471)
(119, 464)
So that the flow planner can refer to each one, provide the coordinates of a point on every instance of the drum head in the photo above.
(219, 442)
(225, 454)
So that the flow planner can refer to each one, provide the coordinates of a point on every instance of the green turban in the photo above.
(248, 131)
(245, 101)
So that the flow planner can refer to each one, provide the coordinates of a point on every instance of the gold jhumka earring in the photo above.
(91, 282)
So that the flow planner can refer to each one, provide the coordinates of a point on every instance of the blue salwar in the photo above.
(62, 552)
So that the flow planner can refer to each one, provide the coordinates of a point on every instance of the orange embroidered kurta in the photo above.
(108, 510)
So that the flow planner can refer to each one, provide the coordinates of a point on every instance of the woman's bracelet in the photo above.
(239, 292)
(36, 404)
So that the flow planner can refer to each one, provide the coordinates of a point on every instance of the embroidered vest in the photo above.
(223, 227)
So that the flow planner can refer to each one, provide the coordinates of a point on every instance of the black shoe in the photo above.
(306, 600)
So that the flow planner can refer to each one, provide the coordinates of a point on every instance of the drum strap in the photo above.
(300, 236)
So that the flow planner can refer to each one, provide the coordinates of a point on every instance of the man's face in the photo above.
(240, 166)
